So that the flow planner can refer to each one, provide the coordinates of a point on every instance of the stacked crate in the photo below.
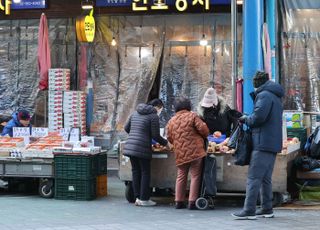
(102, 179)
(55, 111)
(75, 176)
(80, 177)
(74, 109)
(67, 109)
(59, 81)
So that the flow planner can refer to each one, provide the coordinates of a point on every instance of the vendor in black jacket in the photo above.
(142, 127)
(216, 113)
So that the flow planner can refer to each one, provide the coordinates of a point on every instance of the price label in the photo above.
(40, 132)
(64, 133)
(74, 135)
(21, 132)
(71, 134)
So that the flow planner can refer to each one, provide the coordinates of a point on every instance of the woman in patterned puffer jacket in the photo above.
(186, 132)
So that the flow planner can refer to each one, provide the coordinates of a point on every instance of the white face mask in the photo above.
(159, 111)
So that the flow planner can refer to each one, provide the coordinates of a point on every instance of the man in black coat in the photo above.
(266, 125)
(142, 127)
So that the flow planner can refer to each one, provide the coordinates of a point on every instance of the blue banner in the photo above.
(123, 3)
(28, 4)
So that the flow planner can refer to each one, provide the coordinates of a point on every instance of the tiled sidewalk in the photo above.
(113, 212)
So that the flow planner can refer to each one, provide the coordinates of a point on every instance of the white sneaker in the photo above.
(146, 203)
(137, 202)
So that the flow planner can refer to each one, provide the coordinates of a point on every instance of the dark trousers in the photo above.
(259, 177)
(141, 177)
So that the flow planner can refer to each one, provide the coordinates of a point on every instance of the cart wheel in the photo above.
(46, 189)
(277, 199)
(202, 203)
(129, 193)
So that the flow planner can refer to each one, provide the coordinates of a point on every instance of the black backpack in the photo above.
(312, 147)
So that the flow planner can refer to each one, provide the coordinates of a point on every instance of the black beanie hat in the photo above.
(260, 78)
(24, 115)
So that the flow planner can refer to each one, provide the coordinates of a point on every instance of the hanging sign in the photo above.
(146, 5)
(5, 6)
(8, 5)
(28, 4)
(86, 28)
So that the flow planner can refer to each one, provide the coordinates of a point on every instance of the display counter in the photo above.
(230, 177)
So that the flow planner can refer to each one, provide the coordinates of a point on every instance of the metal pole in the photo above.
(234, 51)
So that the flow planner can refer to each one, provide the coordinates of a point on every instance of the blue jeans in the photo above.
(259, 177)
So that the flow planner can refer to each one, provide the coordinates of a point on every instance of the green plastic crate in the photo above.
(81, 167)
(102, 161)
(300, 133)
(309, 193)
(68, 189)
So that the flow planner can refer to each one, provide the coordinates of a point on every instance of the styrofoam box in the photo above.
(67, 104)
(59, 88)
(55, 94)
(59, 80)
(74, 119)
(55, 122)
(75, 114)
(58, 70)
(55, 115)
(74, 110)
(74, 105)
(55, 110)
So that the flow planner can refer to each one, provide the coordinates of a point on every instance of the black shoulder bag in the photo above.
(241, 141)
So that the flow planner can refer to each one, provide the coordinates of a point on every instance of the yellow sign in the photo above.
(180, 5)
(6, 6)
(86, 28)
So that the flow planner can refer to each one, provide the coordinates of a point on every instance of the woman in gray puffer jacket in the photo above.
(142, 127)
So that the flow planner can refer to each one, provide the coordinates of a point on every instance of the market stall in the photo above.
(230, 177)
(56, 161)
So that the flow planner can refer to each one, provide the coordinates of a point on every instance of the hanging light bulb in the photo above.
(203, 41)
(87, 5)
(113, 42)
(239, 2)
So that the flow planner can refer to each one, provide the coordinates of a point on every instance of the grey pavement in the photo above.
(114, 213)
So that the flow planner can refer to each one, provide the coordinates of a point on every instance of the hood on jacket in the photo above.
(221, 103)
(15, 119)
(145, 109)
(272, 87)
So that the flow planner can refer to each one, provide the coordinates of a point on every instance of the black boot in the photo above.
(192, 205)
(180, 205)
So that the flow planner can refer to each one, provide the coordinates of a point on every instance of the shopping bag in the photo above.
(233, 140)
(243, 148)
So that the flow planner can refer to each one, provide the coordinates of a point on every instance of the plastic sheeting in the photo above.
(189, 69)
(156, 47)
(161, 49)
(300, 55)
(123, 75)
(19, 73)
